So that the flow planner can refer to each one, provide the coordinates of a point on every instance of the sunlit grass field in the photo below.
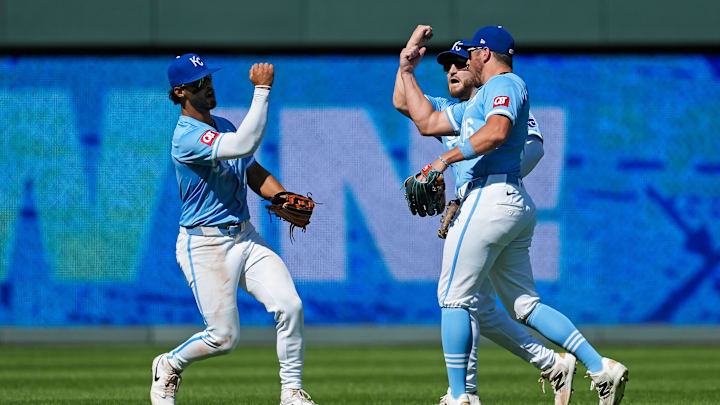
(353, 375)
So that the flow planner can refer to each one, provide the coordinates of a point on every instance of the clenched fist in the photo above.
(420, 36)
(410, 58)
(262, 74)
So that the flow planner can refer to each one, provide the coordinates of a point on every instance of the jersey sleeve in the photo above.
(439, 103)
(197, 146)
(454, 113)
(533, 127)
(503, 96)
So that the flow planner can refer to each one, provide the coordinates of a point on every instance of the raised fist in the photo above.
(420, 36)
(262, 74)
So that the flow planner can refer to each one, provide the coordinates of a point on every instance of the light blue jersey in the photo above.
(450, 142)
(504, 94)
(213, 192)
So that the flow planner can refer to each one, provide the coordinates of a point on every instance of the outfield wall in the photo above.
(628, 192)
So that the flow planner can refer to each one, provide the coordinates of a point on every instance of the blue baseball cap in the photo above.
(188, 68)
(496, 38)
(453, 53)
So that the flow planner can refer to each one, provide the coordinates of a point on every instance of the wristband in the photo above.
(467, 150)
(444, 161)
(263, 86)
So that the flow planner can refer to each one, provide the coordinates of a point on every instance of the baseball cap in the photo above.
(496, 38)
(454, 52)
(188, 68)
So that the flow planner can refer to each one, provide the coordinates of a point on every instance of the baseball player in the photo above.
(491, 233)
(218, 248)
(486, 318)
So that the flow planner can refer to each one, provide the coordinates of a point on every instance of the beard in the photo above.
(203, 103)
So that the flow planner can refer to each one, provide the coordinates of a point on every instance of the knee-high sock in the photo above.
(456, 340)
(560, 330)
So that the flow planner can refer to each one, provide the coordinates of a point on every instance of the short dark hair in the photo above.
(503, 57)
(175, 99)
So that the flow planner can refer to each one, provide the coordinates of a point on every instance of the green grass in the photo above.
(367, 375)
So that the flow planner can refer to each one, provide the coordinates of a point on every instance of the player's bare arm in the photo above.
(262, 182)
(249, 135)
(420, 36)
(493, 134)
(426, 118)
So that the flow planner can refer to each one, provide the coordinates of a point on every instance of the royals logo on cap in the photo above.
(188, 68)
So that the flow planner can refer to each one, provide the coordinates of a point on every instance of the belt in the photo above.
(222, 230)
(483, 181)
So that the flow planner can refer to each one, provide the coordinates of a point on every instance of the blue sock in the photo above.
(561, 331)
(457, 343)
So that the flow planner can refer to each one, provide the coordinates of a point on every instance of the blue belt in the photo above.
(222, 230)
(481, 181)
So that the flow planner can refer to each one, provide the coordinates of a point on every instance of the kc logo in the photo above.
(501, 101)
(196, 61)
(456, 46)
(209, 137)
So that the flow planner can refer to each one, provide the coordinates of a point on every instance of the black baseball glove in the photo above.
(427, 196)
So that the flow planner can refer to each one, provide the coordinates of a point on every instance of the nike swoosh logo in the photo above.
(156, 367)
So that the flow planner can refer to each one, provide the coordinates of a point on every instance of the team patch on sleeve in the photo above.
(209, 137)
(500, 101)
(531, 123)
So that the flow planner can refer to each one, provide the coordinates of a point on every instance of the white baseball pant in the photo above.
(215, 264)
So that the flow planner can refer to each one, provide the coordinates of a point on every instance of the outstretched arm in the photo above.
(245, 141)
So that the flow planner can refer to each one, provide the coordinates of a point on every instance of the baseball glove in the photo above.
(425, 197)
(448, 217)
(293, 208)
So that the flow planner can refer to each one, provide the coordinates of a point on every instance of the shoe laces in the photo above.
(595, 386)
(553, 381)
(541, 380)
(592, 382)
(172, 383)
(303, 396)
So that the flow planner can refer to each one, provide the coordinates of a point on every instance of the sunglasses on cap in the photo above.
(199, 83)
(459, 65)
(474, 48)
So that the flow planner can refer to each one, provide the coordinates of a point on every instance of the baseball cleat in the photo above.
(447, 398)
(609, 382)
(290, 396)
(561, 376)
(165, 382)
(465, 399)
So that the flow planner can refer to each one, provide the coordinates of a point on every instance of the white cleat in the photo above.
(561, 376)
(290, 396)
(609, 382)
(465, 399)
(165, 382)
